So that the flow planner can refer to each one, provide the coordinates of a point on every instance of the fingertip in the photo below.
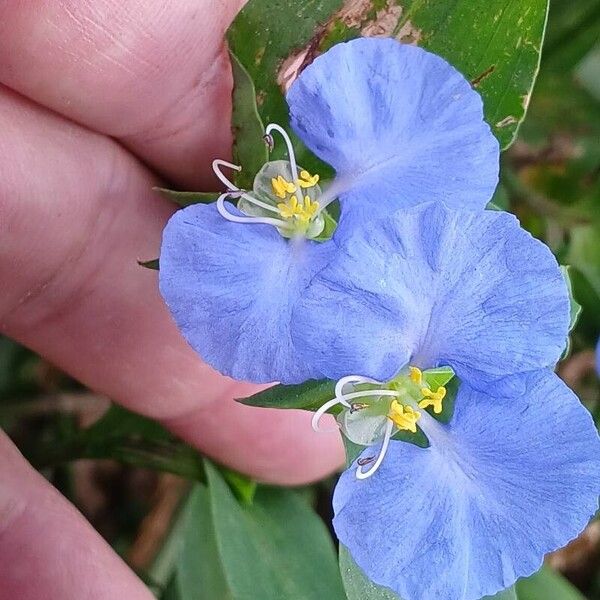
(272, 445)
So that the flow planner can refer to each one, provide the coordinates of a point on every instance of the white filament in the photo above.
(360, 474)
(217, 163)
(288, 143)
(319, 414)
(339, 386)
(237, 219)
(353, 395)
(341, 398)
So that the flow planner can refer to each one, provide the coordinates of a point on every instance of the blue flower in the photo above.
(499, 486)
(231, 288)
(430, 286)
(439, 510)
(399, 125)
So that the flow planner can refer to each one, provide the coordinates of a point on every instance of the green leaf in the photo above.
(242, 486)
(189, 560)
(276, 548)
(149, 264)
(249, 148)
(494, 43)
(187, 198)
(546, 584)
(310, 395)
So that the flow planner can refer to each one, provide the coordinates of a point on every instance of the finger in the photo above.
(76, 211)
(153, 73)
(47, 549)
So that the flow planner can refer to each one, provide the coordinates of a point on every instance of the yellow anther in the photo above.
(281, 186)
(302, 212)
(404, 417)
(434, 399)
(307, 180)
(288, 209)
(416, 376)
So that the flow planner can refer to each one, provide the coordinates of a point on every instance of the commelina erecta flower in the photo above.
(398, 124)
(458, 507)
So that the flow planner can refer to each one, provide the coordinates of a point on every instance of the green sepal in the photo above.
(150, 264)
(438, 377)
(310, 395)
(184, 199)
(574, 306)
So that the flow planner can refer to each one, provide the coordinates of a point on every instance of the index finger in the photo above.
(153, 73)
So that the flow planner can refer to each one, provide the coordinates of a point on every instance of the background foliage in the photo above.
(194, 530)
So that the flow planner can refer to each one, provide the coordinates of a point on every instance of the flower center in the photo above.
(283, 195)
(373, 411)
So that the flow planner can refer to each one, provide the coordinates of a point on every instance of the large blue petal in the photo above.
(231, 288)
(504, 483)
(432, 286)
(399, 125)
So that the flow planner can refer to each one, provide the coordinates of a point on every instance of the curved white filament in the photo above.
(360, 474)
(343, 399)
(339, 386)
(237, 219)
(260, 203)
(319, 414)
(288, 143)
(353, 395)
(216, 164)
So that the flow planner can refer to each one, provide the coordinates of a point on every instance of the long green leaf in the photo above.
(189, 560)
(495, 43)
(275, 548)
(249, 149)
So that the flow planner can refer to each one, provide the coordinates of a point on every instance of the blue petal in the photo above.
(399, 125)
(504, 483)
(431, 286)
(231, 288)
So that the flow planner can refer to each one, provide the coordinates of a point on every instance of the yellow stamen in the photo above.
(416, 376)
(434, 399)
(404, 417)
(307, 180)
(302, 212)
(281, 186)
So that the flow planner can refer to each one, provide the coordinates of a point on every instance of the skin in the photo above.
(100, 100)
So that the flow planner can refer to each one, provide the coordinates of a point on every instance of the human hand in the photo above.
(101, 100)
